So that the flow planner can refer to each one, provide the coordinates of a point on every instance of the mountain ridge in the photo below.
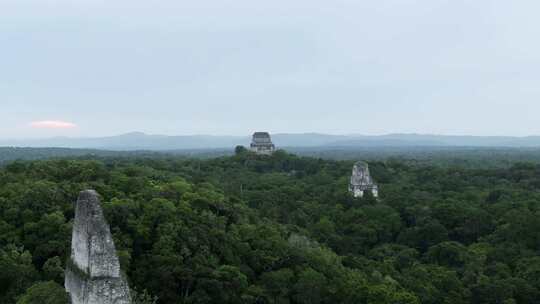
(156, 142)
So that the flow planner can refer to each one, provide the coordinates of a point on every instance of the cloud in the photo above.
(52, 124)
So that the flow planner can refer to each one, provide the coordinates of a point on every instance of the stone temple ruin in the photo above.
(93, 272)
(361, 181)
(261, 143)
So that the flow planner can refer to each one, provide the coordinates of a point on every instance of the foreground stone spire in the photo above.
(361, 181)
(93, 273)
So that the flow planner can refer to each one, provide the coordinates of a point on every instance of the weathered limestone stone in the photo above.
(361, 181)
(93, 274)
(261, 143)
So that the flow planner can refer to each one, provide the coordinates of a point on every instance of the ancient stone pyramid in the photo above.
(361, 180)
(93, 272)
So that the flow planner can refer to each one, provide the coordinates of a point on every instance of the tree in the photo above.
(53, 271)
(278, 284)
(450, 254)
(175, 189)
(310, 287)
(44, 293)
(240, 150)
(227, 285)
(142, 297)
(17, 273)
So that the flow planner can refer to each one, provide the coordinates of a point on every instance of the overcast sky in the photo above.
(92, 67)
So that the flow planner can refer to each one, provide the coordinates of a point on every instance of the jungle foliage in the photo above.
(280, 229)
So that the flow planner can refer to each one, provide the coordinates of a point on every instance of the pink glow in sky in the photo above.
(52, 124)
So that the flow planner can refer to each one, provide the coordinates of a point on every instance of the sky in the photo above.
(230, 67)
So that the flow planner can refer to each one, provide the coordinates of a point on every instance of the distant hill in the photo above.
(141, 141)
(134, 141)
(398, 140)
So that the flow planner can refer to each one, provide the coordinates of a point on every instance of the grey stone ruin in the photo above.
(261, 143)
(361, 181)
(93, 273)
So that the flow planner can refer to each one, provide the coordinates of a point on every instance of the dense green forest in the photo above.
(451, 156)
(9, 154)
(281, 229)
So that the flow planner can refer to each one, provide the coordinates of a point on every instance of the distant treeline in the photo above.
(438, 156)
(8, 154)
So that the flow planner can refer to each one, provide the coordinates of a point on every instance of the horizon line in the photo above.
(142, 133)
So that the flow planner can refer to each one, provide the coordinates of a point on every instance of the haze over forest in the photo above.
(142, 141)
